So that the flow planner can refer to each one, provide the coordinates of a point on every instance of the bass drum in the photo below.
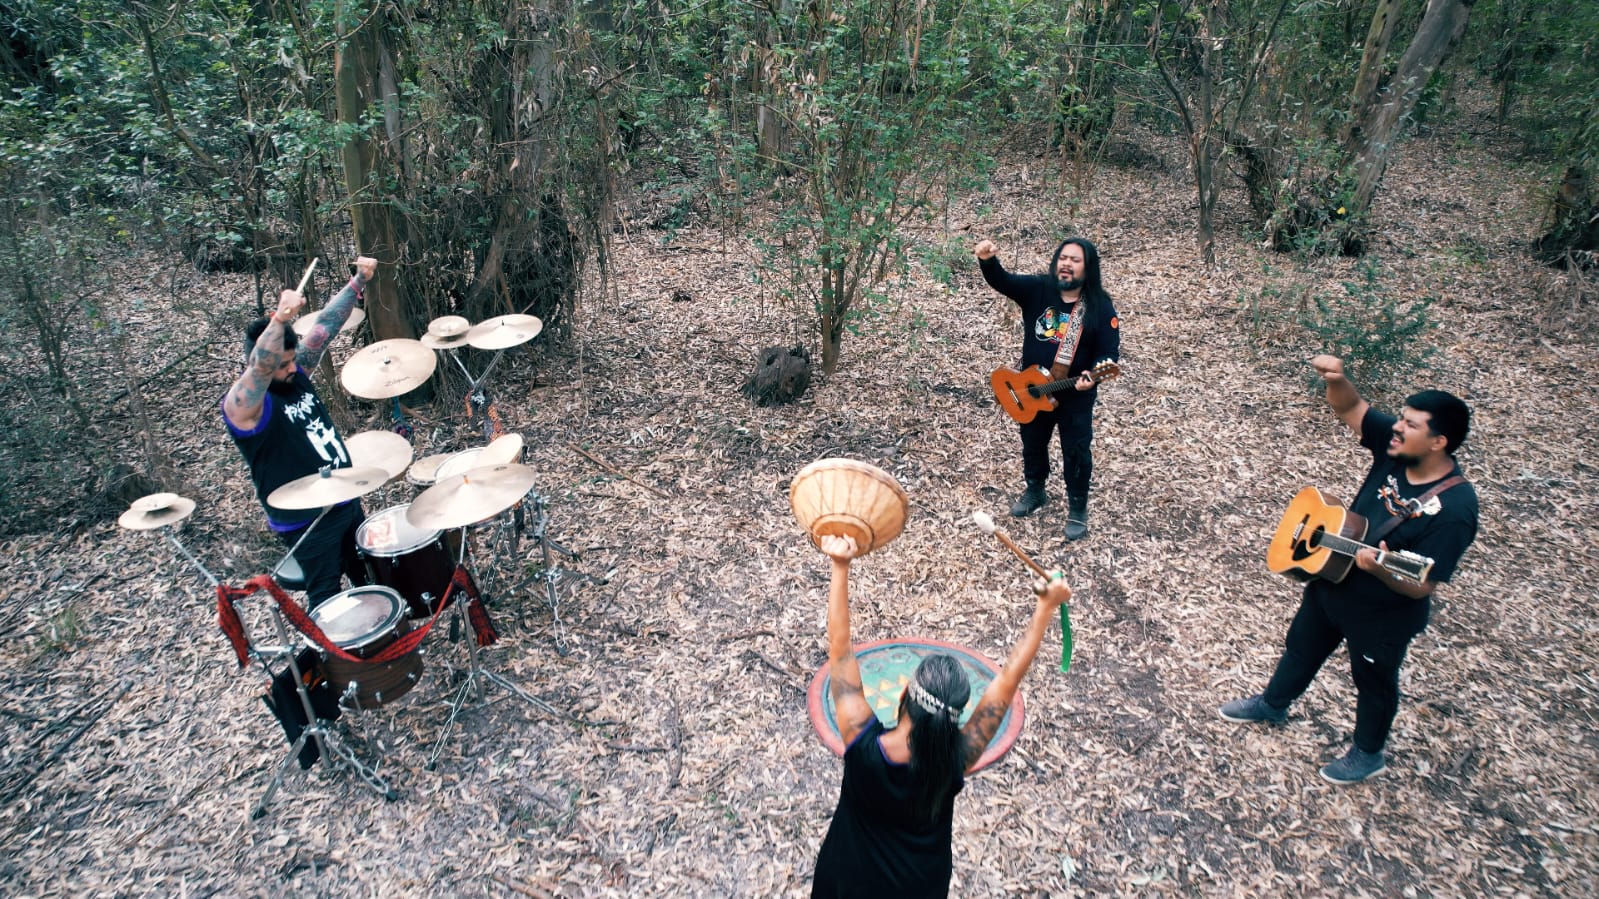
(362, 621)
(416, 562)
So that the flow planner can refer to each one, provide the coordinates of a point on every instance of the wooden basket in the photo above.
(849, 498)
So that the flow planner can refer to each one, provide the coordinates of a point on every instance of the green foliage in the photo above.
(1379, 333)
(1543, 57)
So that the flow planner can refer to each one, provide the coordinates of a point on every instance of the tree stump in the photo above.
(781, 376)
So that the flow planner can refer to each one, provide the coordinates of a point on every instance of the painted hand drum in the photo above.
(886, 670)
(362, 621)
(416, 562)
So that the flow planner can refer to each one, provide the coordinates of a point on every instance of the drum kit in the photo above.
(414, 553)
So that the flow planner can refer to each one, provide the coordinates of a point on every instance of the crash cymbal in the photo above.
(504, 449)
(446, 332)
(504, 331)
(156, 510)
(464, 499)
(380, 449)
(302, 325)
(388, 368)
(327, 487)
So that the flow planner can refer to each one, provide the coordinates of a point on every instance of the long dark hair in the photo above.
(1094, 295)
(935, 739)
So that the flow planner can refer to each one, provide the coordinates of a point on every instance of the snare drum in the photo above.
(460, 463)
(407, 558)
(424, 472)
(362, 621)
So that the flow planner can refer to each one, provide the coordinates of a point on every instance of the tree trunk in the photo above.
(1378, 37)
(356, 74)
(1380, 123)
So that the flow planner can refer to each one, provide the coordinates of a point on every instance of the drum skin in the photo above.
(363, 621)
(417, 563)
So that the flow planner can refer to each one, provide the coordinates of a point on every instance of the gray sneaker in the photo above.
(1356, 765)
(1253, 709)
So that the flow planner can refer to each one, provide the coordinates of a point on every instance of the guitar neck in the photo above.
(1404, 564)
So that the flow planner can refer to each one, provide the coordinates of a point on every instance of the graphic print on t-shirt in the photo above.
(319, 430)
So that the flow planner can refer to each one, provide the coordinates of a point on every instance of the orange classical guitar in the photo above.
(1318, 537)
(1025, 392)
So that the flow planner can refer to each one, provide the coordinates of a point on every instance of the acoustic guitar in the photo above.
(1318, 537)
(1025, 392)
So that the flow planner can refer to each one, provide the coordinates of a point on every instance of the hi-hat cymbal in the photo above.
(156, 510)
(465, 499)
(388, 368)
(380, 449)
(507, 448)
(446, 332)
(302, 325)
(504, 331)
(327, 487)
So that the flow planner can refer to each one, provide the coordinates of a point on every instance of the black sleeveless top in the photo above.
(295, 437)
(874, 848)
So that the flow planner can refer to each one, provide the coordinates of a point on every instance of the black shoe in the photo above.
(1031, 500)
(1077, 520)
(1253, 709)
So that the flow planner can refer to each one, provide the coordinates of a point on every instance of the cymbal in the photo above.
(504, 331)
(302, 325)
(379, 449)
(507, 448)
(388, 368)
(156, 510)
(446, 332)
(465, 499)
(328, 487)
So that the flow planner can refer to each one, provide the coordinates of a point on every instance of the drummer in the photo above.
(284, 432)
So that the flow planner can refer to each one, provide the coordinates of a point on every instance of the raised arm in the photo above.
(335, 313)
(991, 708)
(850, 708)
(1342, 396)
(267, 360)
(993, 272)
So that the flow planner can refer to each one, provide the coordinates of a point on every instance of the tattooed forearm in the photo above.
(328, 322)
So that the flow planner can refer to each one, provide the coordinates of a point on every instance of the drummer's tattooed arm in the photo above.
(244, 400)
(996, 700)
(334, 314)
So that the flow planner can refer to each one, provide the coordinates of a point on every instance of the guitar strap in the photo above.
(1073, 335)
(1419, 501)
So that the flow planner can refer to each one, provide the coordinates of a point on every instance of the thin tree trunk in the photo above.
(1378, 37)
(1380, 125)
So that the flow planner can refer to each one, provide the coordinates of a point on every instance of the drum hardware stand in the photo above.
(551, 572)
(333, 748)
(331, 745)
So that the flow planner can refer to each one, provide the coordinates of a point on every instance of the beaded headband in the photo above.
(931, 704)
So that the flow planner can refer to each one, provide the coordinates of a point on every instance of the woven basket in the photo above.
(849, 498)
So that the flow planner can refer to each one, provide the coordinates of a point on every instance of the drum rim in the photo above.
(393, 552)
(396, 614)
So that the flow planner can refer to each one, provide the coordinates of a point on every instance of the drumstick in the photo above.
(307, 279)
(988, 526)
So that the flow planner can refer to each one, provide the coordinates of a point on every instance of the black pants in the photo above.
(1378, 636)
(1076, 431)
(329, 552)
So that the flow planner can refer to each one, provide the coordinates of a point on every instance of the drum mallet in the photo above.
(987, 525)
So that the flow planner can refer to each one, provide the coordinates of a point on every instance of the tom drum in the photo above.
(362, 621)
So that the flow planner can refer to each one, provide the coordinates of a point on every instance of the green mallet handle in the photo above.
(1065, 639)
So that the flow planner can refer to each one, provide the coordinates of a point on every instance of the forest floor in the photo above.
(670, 752)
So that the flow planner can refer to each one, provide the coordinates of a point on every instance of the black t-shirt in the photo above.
(874, 848)
(295, 437)
(1045, 320)
(1440, 530)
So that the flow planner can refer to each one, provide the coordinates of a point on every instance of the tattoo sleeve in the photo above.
(250, 389)
(328, 322)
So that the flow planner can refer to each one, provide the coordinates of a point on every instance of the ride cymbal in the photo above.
(388, 368)
(504, 331)
(507, 448)
(327, 487)
(465, 499)
(156, 510)
(380, 449)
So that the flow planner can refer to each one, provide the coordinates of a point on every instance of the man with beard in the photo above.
(284, 432)
(1414, 498)
(1070, 325)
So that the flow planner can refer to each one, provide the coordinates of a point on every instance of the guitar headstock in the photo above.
(1105, 370)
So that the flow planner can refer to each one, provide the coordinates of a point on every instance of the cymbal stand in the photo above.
(328, 741)
(303, 534)
(475, 670)
(551, 572)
